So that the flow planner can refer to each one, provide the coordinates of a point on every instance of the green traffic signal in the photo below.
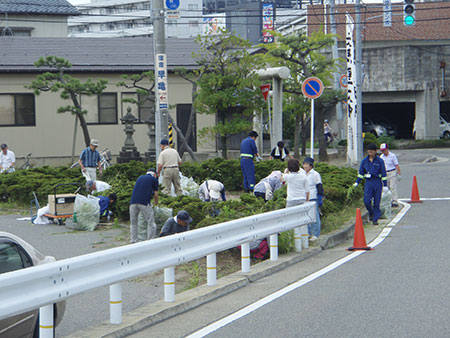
(409, 20)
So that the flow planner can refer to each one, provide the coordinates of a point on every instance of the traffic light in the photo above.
(409, 13)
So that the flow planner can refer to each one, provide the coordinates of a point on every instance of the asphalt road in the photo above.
(92, 308)
(400, 289)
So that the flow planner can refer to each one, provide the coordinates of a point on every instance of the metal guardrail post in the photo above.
(46, 321)
(298, 239)
(115, 304)
(245, 257)
(304, 231)
(169, 284)
(274, 247)
(211, 269)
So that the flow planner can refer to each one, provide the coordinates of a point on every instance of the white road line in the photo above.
(260, 303)
(428, 199)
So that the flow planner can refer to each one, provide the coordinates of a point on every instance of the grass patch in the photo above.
(336, 220)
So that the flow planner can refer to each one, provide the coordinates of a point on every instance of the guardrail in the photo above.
(43, 285)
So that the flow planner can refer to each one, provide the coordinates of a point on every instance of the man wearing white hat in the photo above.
(392, 171)
(211, 190)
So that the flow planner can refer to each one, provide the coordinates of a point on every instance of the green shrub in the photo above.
(370, 138)
(389, 140)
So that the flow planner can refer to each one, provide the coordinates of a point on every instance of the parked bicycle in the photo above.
(26, 165)
(105, 159)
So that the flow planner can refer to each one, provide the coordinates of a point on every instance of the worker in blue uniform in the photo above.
(373, 170)
(248, 153)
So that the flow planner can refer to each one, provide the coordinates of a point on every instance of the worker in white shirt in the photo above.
(211, 190)
(7, 160)
(392, 171)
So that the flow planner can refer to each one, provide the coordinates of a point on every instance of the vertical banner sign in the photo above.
(268, 18)
(387, 13)
(161, 70)
(352, 112)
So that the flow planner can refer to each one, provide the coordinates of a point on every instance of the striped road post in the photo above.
(245, 257)
(46, 321)
(169, 284)
(211, 268)
(170, 135)
(304, 231)
(115, 303)
(274, 247)
(298, 239)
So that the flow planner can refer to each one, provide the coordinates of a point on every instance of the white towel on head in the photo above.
(277, 152)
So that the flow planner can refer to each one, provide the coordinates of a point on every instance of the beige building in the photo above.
(36, 18)
(30, 123)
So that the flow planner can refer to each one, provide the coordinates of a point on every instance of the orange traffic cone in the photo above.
(415, 192)
(359, 239)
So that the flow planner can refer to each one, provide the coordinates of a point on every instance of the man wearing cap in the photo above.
(249, 151)
(7, 160)
(145, 188)
(90, 160)
(392, 171)
(170, 161)
(211, 190)
(177, 224)
(315, 195)
(373, 170)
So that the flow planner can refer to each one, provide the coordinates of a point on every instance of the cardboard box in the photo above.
(63, 205)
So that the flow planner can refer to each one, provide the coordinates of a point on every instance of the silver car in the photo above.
(17, 254)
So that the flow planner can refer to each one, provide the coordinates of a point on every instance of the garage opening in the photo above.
(444, 109)
(395, 119)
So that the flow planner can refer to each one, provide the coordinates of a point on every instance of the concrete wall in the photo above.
(51, 139)
(43, 25)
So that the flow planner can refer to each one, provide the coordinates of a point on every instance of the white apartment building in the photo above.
(132, 18)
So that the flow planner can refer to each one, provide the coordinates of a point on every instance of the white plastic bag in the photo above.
(86, 212)
(188, 186)
(41, 219)
(385, 205)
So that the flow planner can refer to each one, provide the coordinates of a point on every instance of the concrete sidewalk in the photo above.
(159, 311)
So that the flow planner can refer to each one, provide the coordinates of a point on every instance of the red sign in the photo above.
(265, 90)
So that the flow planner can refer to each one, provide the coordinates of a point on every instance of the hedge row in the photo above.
(18, 187)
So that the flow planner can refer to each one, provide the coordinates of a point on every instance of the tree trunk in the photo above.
(183, 140)
(298, 121)
(87, 138)
(223, 138)
(323, 155)
(192, 118)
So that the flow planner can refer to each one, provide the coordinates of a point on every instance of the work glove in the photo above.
(258, 159)
(355, 184)
(385, 190)
(399, 177)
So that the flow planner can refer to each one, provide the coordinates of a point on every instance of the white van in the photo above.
(444, 128)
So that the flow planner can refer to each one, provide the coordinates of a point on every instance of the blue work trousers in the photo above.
(248, 171)
(314, 228)
(372, 197)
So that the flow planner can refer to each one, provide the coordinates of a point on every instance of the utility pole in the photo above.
(161, 76)
(358, 69)
(336, 75)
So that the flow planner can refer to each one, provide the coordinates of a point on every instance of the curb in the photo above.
(159, 311)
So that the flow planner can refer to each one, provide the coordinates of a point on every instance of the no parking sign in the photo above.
(312, 87)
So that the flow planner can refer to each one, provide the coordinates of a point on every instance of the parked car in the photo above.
(17, 254)
(379, 128)
(444, 128)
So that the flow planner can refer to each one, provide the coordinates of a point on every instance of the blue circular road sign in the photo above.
(312, 87)
(172, 4)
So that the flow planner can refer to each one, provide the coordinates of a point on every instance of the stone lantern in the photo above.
(129, 151)
(150, 155)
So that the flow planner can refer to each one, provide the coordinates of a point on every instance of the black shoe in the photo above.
(375, 222)
(370, 218)
(395, 205)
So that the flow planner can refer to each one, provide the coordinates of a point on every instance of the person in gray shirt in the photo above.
(267, 186)
(174, 225)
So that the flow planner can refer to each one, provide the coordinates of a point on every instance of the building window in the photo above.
(107, 108)
(17, 110)
(146, 108)
(101, 109)
(192, 7)
(193, 23)
(171, 22)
